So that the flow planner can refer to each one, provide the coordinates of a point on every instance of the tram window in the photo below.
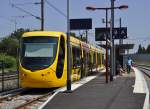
(76, 56)
(90, 58)
(102, 58)
(38, 52)
(39, 49)
(98, 58)
(84, 56)
(61, 58)
(94, 58)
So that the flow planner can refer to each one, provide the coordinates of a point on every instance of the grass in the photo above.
(9, 69)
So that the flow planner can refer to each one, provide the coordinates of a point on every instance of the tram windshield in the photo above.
(38, 52)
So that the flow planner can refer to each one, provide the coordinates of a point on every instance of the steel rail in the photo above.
(11, 94)
(143, 68)
(22, 106)
(10, 77)
(9, 73)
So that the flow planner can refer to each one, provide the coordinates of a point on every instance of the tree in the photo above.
(148, 49)
(10, 44)
(73, 34)
(84, 39)
(18, 33)
(143, 50)
(140, 49)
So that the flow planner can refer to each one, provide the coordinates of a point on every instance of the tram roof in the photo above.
(73, 40)
(43, 33)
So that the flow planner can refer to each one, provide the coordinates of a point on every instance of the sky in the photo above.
(135, 18)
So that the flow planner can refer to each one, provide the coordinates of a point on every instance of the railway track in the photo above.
(9, 73)
(145, 69)
(9, 81)
(25, 99)
(10, 94)
(32, 101)
(8, 76)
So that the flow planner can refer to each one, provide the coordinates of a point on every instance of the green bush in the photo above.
(9, 61)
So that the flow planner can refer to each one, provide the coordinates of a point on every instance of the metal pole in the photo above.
(2, 62)
(86, 32)
(86, 35)
(114, 49)
(120, 24)
(112, 41)
(15, 25)
(68, 51)
(106, 47)
(42, 15)
(17, 59)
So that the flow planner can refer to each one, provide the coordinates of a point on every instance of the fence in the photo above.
(8, 79)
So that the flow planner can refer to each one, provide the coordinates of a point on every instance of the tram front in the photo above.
(37, 64)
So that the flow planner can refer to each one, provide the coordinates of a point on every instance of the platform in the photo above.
(96, 94)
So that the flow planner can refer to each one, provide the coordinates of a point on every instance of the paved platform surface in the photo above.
(96, 94)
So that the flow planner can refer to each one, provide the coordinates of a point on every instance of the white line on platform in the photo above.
(77, 84)
(49, 99)
(140, 86)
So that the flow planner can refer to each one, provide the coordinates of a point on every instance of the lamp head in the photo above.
(90, 8)
(123, 7)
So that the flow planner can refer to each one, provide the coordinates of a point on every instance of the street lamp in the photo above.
(122, 7)
(106, 9)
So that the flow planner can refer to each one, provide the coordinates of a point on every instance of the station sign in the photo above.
(118, 33)
(101, 33)
(81, 24)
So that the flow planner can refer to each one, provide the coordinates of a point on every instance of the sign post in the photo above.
(68, 51)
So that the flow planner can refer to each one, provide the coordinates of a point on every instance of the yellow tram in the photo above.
(43, 59)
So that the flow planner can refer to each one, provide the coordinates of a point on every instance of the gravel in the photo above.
(18, 100)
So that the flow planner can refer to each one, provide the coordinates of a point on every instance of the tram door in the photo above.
(76, 63)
